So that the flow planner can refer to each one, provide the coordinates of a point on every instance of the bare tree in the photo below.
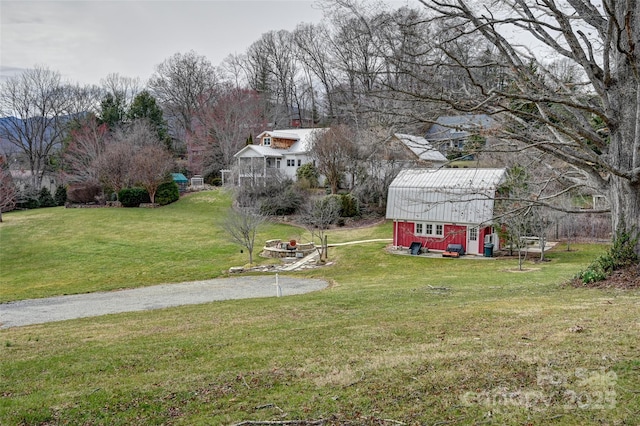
(319, 214)
(374, 168)
(122, 86)
(8, 191)
(232, 72)
(243, 224)
(515, 225)
(86, 144)
(37, 107)
(115, 164)
(332, 150)
(123, 163)
(227, 125)
(312, 41)
(83, 100)
(151, 167)
(512, 210)
(182, 84)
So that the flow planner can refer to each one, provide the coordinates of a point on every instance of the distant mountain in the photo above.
(9, 125)
(10, 128)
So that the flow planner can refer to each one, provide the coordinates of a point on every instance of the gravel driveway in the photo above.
(37, 311)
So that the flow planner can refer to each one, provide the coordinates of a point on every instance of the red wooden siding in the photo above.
(453, 234)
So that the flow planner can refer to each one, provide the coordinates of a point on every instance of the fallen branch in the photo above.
(271, 405)
(438, 288)
(244, 381)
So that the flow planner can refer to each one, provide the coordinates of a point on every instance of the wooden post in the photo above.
(325, 249)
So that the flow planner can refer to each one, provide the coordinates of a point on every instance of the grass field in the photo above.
(394, 340)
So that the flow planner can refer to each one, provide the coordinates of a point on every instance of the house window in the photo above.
(299, 163)
(266, 141)
(473, 234)
(291, 163)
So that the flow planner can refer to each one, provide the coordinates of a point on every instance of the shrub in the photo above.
(86, 193)
(283, 203)
(307, 175)
(278, 197)
(133, 197)
(212, 178)
(61, 195)
(45, 199)
(167, 193)
(350, 206)
(27, 198)
(620, 255)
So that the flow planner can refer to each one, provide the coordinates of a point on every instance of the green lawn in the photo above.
(402, 338)
(54, 251)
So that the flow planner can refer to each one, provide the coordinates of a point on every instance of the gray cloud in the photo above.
(86, 40)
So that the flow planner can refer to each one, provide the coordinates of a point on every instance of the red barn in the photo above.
(438, 207)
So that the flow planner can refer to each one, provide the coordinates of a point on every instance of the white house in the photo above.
(275, 152)
(444, 206)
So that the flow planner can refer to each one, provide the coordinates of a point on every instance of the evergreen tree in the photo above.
(112, 111)
(60, 195)
(45, 199)
(144, 106)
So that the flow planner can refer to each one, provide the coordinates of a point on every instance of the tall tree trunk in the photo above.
(625, 206)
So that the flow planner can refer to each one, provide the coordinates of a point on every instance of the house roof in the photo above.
(421, 148)
(458, 126)
(303, 138)
(258, 151)
(444, 195)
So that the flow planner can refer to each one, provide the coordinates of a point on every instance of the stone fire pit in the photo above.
(283, 249)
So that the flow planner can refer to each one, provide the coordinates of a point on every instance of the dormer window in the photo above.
(266, 141)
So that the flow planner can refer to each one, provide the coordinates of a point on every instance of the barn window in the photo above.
(428, 229)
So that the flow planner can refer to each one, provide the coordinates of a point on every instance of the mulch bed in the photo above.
(624, 279)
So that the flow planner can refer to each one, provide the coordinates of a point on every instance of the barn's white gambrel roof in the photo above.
(463, 196)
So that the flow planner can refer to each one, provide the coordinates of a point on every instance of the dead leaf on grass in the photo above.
(576, 329)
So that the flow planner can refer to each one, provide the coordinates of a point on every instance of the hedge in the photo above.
(133, 197)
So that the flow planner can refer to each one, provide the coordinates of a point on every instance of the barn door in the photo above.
(472, 240)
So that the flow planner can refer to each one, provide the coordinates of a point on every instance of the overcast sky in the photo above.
(86, 40)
